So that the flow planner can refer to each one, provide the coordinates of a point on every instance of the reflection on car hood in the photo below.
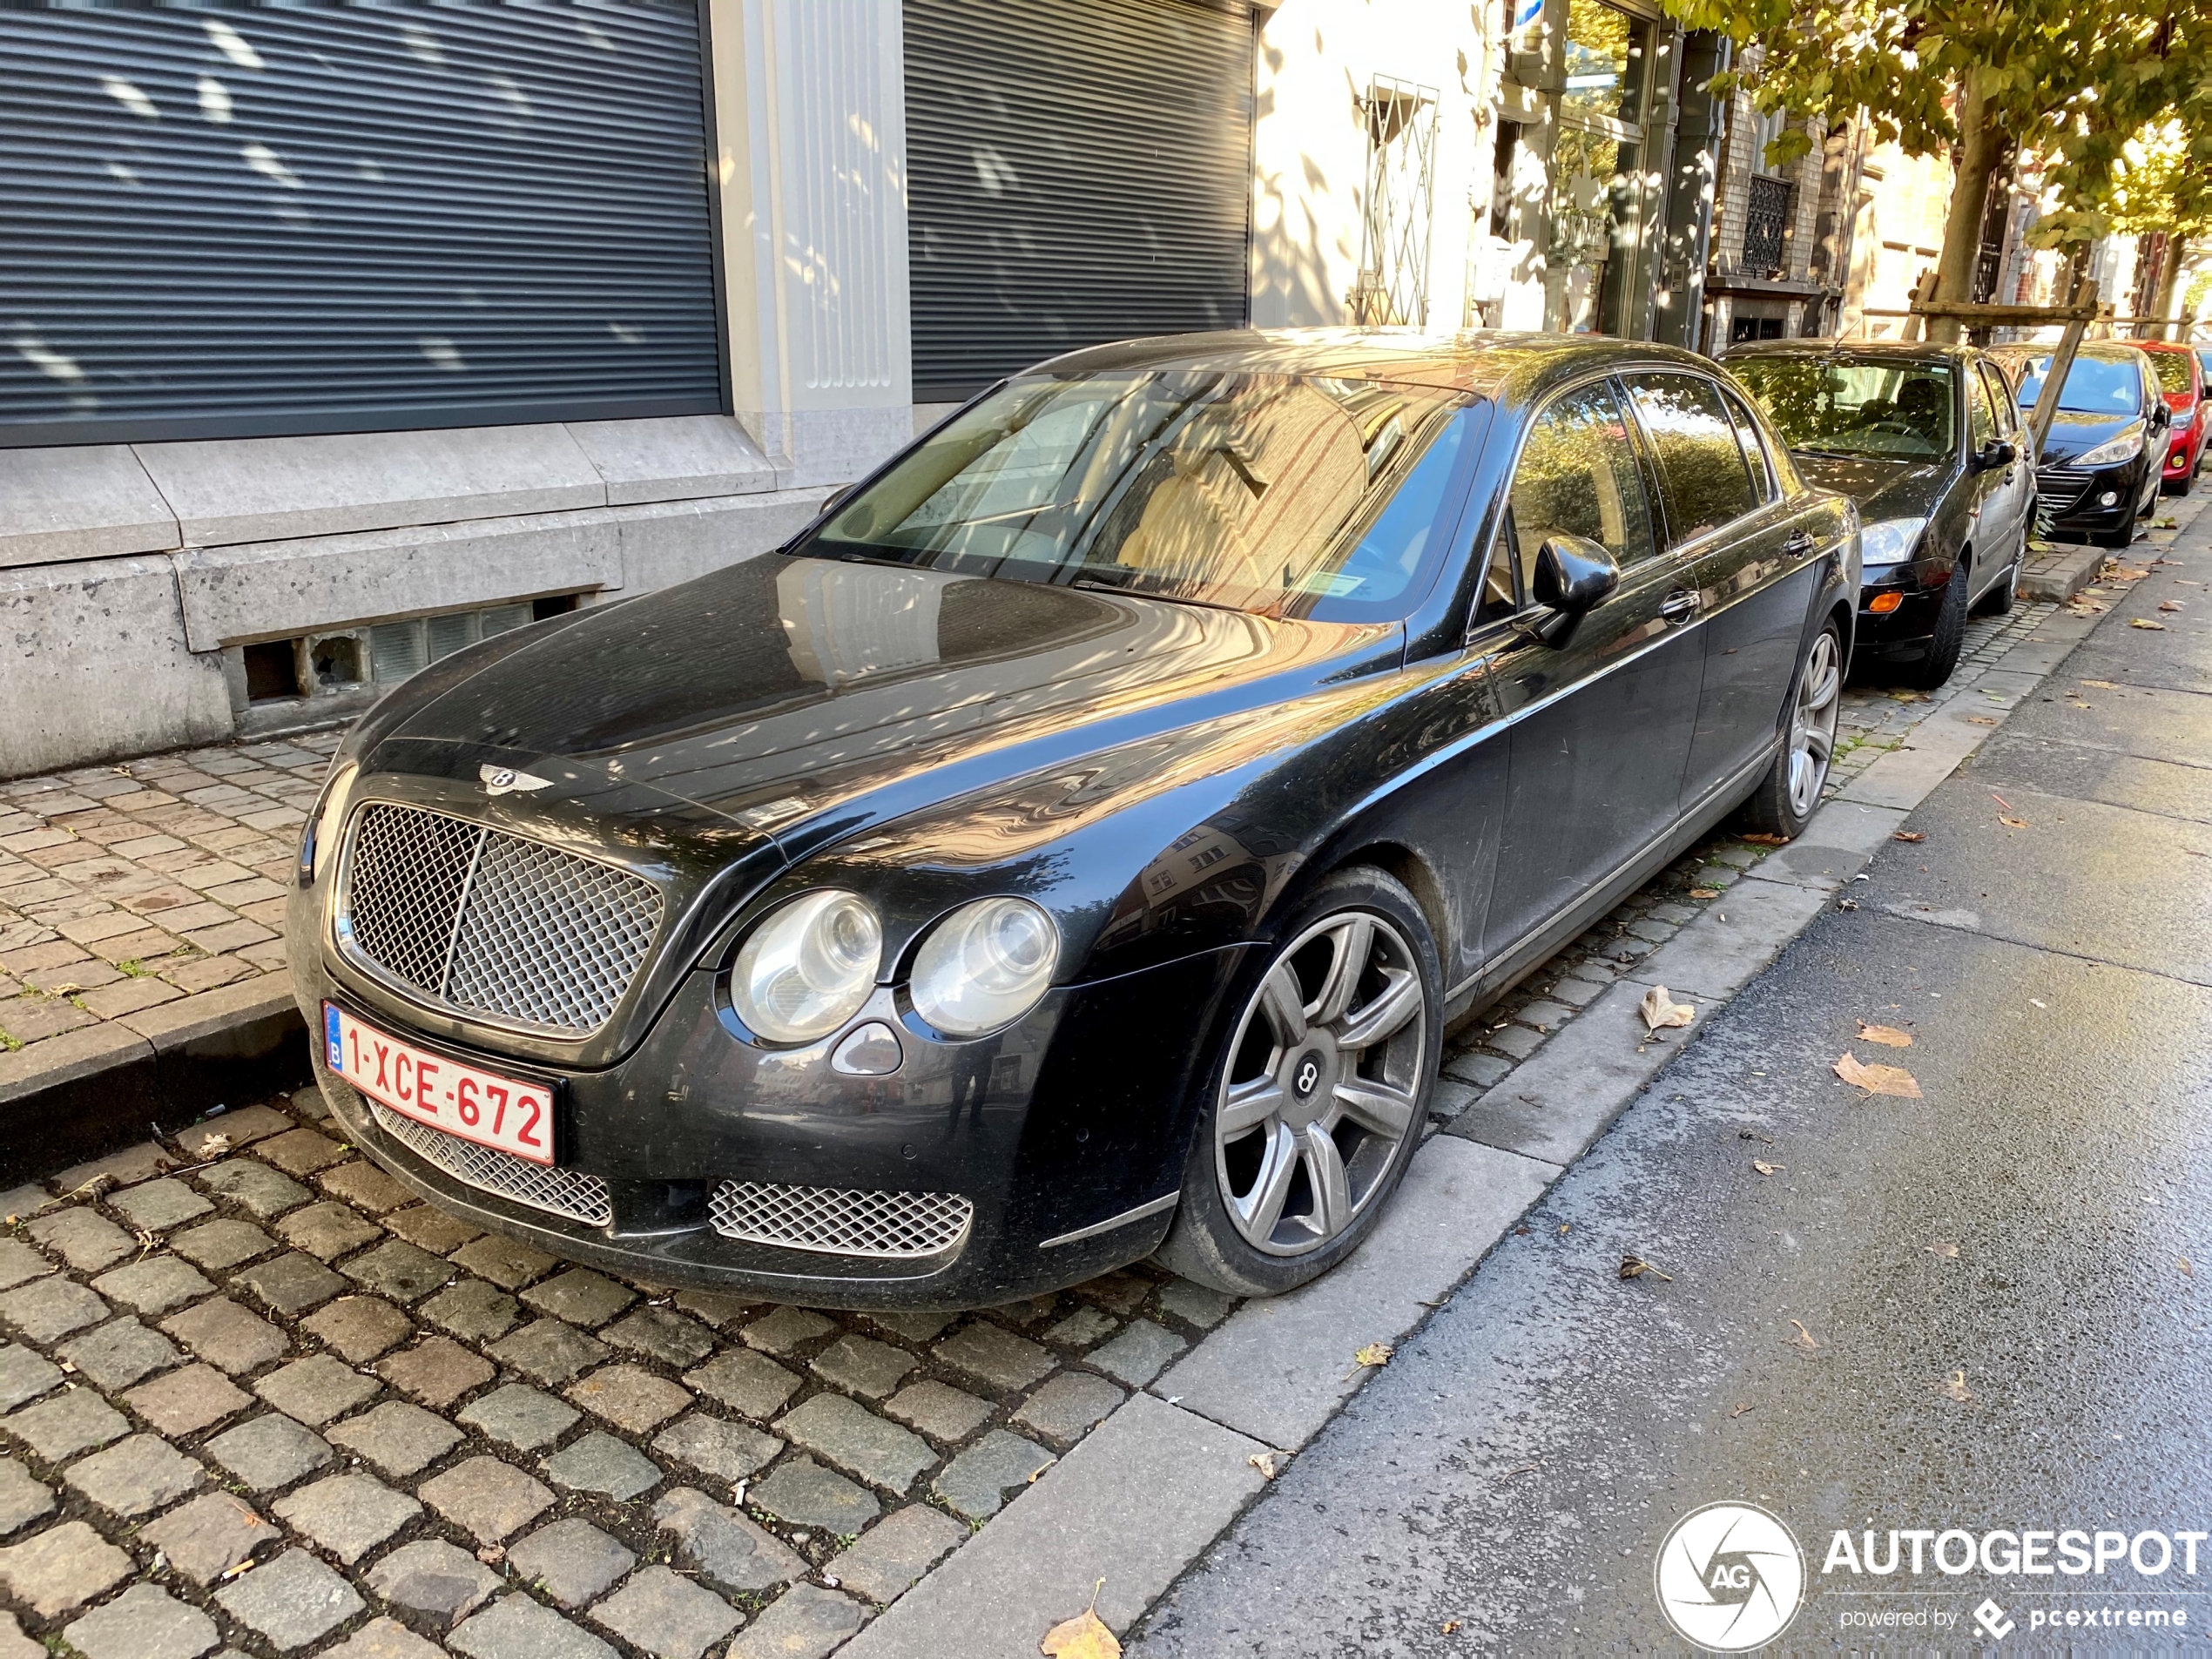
(2072, 431)
(1881, 488)
(780, 690)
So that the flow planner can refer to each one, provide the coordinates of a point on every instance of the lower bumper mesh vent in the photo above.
(560, 1192)
(887, 1225)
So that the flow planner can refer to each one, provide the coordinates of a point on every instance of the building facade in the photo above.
(340, 338)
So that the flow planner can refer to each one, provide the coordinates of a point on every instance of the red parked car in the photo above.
(2182, 378)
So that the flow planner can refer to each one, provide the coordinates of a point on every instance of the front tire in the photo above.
(1318, 1095)
(1950, 635)
(1786, 798)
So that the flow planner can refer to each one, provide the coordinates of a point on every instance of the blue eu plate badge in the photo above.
(337, 1055)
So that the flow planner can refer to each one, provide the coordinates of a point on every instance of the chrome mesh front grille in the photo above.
(489, 923)
(561, 1192)
(882, 1225)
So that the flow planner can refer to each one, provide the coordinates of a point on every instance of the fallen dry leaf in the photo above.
(1876, 1080)
(1944, 1248)
(1888, 1035)
(1763, 839)
(1742, 1406)
(2014, 823)
(1954, 1387)
(1268, 1463)
(214, 1146)
(1635, 1267)
(1910, 835)
(1704, 892)
(2182, 1262)
(1450, 1625)
(1805, 1337)
(1768, 1169)
(1660, 1009)
(1084, 1636)
(1980, 719)
(2145, 622)
(2103, 686)
(2169, 605)
(1375, 1354)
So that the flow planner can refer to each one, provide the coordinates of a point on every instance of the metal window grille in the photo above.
(1767, 220)
(1393, 283)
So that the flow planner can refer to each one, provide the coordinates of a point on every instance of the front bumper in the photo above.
(2073, 499)
(1078, 1114)
(1903, 634)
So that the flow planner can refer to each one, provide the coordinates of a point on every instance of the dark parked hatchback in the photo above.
(2101, 466)
(1927, 439)
(1075, 844)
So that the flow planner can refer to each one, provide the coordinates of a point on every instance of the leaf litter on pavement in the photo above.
(1660, 1010)
(1637, 1267)
(1876, 1080)
(1804, 1339)
(1888, 1035)
(1084, 1636)
(1944, 1248)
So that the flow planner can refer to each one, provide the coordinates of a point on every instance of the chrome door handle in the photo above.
(1682, 603)
(1800, 543)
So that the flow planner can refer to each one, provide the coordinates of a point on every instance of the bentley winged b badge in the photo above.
(505, 780)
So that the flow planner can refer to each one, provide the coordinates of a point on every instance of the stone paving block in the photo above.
(23, 1498)
(300, 1152)
(549, 1352)
(1481, 1070)
(599, 1462)
(730, 1451)
(1139, 1354)
(663, 1334)
(20, 1264)
(786, 1329)
(398, 1439)
(917, 1324)
(806, 1622)
(83, 1236)
(62, 1568)
(1068, 1406)
(730, 1550)
(718, 1308)
(270, 1452)
(328, 1230)
(385, 1638)
(317, 1389)
(363, 1184)
(430, 1227)
(159, 1205)
(48, 1309)
(667, 1615)
(749, 1383)
(488, 1498)
(186, 1401)
(64, 1424)
(433, 1577)
(976, 1484)
(358, 1327)
(119, 1353)
(517, 1415)
(895, 1552)
(939, 1410)
(508, 1263)
(857, 1440)
(581, 1297)
(1578, 993)
(143, 1624)
(244, 1126)
(135, 1476)
(571, 1561)
(25, 1374)
(255, 1187)
(630, 1397)
(291, 1601)
(224, 1334)
(154, 1285)
(399, 1270)
(222, 1243)
(348, 1514)
(206, 1537)
(517, 1627)
(1086, 1325)
(994, 1356)
(863, 1366)
(802, 1493)
(472, 1309)
(1201, 1304)
(437, 1372)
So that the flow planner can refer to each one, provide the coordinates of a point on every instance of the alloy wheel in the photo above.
(1813, 725)
(1323, 1084)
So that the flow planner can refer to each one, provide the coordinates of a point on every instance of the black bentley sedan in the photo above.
(1926, 439)
(2101, 465)
(1073, 844)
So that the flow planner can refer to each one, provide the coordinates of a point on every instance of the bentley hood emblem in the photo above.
(505, 780)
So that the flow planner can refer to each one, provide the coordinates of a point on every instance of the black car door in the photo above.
(2012, 498)
(1600, 713)
(1755, 557)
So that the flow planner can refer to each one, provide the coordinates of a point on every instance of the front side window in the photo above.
(1279, 495)
(2000, 398)
(1981, 419)
(1702, 476)
(1578, 476)
(1854, 406)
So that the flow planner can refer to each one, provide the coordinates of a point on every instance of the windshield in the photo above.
(1279, 495)
(1855, 406)
(2094, 385)
(2173, 368)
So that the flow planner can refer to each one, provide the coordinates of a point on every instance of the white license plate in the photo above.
(476, 1105)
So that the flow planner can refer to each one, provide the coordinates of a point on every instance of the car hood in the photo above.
(2073, 431)
(802, 699)
(1881, 488)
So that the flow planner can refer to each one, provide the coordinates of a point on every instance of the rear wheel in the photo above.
(1319, 1096)
(1950, 635)
(1998, 600)
(1784, 800)
(2181, 486)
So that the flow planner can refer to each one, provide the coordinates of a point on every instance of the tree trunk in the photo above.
(1983, 148)
(2165, 305)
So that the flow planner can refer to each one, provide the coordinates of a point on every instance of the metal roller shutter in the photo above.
(331, 220)
(1078, 171)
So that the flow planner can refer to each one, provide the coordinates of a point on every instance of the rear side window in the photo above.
(1747, 433)
(2173, 370)
(1702, 476)
(1578, 476)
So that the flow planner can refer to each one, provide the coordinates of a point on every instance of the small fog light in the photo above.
(2108, 498)
(1886, 602)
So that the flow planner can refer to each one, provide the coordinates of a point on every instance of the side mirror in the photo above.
(830, 501)
(1997, 453)
(2162, 416)
(1574, 574)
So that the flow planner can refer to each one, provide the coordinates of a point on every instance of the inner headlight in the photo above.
(1890, 541)
(985, 965)
(807, 968)
(2124, 445)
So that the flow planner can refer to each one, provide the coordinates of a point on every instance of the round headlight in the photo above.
(807, 968)
(985, 965)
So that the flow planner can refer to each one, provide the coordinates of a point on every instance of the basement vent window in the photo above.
(271, 672)
(397, 650)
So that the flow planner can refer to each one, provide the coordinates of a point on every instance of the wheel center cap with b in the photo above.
(1309, 1079)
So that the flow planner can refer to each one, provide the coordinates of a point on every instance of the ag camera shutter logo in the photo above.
(1729, 1577)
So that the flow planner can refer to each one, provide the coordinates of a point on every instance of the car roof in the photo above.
(1908, 350)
